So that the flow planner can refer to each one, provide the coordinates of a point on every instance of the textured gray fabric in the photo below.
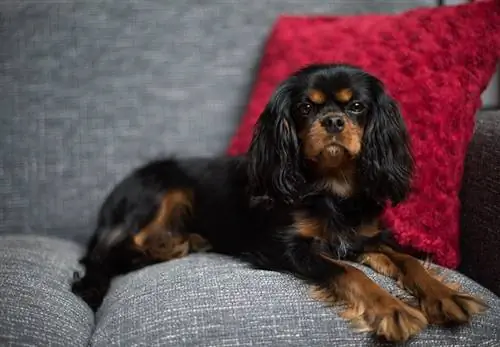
(480, 196)
(90, 89)
(36, 306)
(202, 300)
(210, 300)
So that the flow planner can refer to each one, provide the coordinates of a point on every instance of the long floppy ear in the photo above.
(273, 157)
(386, 162)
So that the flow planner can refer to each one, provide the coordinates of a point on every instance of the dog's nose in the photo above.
(333, 124)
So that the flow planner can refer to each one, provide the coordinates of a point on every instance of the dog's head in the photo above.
(332, 126)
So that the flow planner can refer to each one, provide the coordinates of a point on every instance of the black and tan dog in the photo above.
(328, 152)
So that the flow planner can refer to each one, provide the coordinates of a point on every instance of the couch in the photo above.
(91, 89)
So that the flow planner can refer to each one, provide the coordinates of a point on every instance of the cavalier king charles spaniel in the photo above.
(328, 153)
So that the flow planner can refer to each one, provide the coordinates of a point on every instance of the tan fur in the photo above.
(440, 302)
(173, 204)
(315, 139)
(370, 307)
(317, 142)
(344, 95)
(380, 263)
(317, 96)
(159, 241)
(309, 227)
(198, 243)
(341, 181)
(334, 166)
(370, 230)
(333, 155)
(164, 245)
(351, 137)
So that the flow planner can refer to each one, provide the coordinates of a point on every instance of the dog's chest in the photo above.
(340, 186)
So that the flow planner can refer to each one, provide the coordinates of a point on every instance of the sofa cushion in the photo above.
(201, 300)
(480, 196)
(37, 307)
(212, 300)
(434, 65)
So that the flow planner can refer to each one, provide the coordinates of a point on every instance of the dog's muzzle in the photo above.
(333, 124)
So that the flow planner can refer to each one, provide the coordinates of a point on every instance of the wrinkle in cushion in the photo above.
(37, 307)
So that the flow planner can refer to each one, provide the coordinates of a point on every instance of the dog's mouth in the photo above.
(335, 150)
(336, 154)
(333, 155)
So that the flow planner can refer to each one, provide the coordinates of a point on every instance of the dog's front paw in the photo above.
(448, 306)
(390, 319)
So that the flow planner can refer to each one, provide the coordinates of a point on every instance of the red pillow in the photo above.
(435, 62)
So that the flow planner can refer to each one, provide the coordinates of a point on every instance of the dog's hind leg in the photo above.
(165, 238)
(119, 250)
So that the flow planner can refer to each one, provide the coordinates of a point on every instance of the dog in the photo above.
(329, 152)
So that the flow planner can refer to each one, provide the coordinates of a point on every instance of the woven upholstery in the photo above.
(480, 196)
(36, 304)
(202, 300)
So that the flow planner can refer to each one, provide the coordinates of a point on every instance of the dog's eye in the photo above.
(357, 107)
(305, 109)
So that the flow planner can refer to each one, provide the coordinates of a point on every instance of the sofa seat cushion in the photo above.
(212, 300)
(201, 300)
(37, 307)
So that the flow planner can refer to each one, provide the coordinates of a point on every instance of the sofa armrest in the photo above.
(480, 197)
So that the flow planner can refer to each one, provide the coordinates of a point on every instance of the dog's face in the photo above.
(325, 121)
(329, 113)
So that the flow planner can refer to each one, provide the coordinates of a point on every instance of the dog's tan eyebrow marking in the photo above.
(344, 95)
(316, 96)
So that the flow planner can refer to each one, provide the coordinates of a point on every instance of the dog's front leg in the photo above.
(371, 307)
(441, 303)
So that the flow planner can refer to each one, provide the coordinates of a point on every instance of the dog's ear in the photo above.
(274, 158)
(386, 163)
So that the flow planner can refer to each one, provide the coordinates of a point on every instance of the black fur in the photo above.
(386, 163)
(274, 158)
(245, 206)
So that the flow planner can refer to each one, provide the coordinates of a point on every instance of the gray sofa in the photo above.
(91, 89)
